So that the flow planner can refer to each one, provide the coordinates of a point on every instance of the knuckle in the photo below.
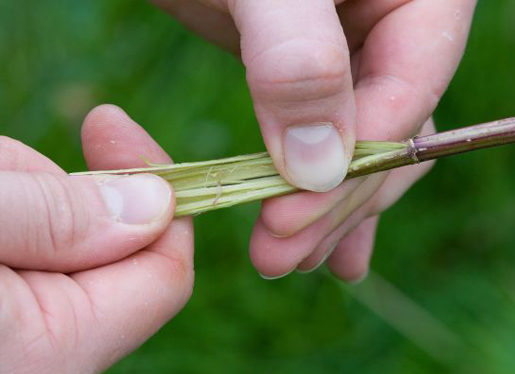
(58, 227)
(286, 73)
(352, 274)
(180, 275)
(184, 272)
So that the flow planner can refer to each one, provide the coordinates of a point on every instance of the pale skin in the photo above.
(83, 283)
(76, 273)
(79, 268)
(373, 69)
(80, 299)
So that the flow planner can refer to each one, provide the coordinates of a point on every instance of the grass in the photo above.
(210, 185)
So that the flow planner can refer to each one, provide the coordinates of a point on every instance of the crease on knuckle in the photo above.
(180, 272)
(285, 73)
(429, 95)
(60, 227)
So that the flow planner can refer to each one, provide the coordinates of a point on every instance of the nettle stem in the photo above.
(210, 185)
(431, 147)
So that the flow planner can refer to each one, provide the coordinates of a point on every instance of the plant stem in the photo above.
(209, 185)
(431, 147)
(466, 139)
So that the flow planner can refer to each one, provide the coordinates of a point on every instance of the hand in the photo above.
(316, 88)
(89, 267)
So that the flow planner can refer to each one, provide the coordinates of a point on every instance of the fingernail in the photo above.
(326, 255)
(136, 199)
(266, 277)
(314, 156)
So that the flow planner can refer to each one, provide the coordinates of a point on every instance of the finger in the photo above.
(46, 312)
(62, 223)
(275, 257)
(16, 156)
(359, 17)
(406, 64)
(98, 316)
(357, 229)
(351, 258)
(287, 215)
(392, 189)
(112, 140)
(68, 222)
(153, 284)
(94, 318)
(21, 322)
(316, 259)
(209, 22)
(387, 195)
(299, 76)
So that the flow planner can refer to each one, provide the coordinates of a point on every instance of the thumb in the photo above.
(62, 223)
(298, 70)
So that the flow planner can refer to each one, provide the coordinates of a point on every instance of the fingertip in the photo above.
(360, 279)
(101, 116)
(273, 256)
(112, 140)
(275, 277)
(353, 276)
(316, 259)
(351, 258)
(270, 255)
(287, 215)
(104, 134)
(100, 112)
(279, 218)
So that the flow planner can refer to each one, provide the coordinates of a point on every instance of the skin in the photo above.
(66, 307)
(72, 301)
(375, 69)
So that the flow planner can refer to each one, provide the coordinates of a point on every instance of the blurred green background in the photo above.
(441, 297)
